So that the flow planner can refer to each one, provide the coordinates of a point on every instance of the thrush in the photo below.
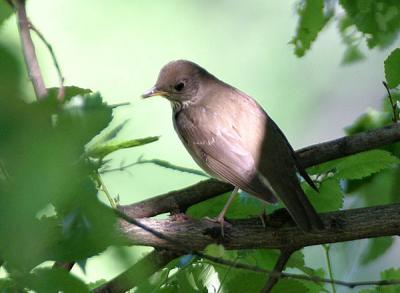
(232, 138)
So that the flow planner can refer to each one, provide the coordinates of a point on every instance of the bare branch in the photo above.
(278, 269)
(28, 49)
(61, 90)
(180, 200)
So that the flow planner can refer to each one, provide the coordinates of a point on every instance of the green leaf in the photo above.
(364, 164)
(376, 248)
(168, 165)
(102, 150)
(312, 21)
(289, 286)
(69, 92)
(329, 197)
(372, 119)
(242, 206)
(352, 55)
(5, 11)
(379, 21)
(10, 73)
(54, 280)
(392, 68)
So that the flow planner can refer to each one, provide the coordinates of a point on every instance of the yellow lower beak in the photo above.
(153, 92)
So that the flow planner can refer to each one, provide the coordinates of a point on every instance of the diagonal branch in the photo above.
(278, 269)
(180, 200)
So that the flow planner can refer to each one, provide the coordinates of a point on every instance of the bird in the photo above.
(231, 137)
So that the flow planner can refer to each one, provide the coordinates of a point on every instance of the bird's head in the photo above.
(178, 81)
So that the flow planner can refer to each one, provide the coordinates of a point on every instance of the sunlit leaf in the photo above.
(102, 150)
(392, 68)
(312, 21)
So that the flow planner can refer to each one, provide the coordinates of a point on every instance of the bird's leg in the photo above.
(221, 217)
(228, 203)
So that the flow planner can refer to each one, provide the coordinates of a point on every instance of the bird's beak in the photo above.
(153, 92)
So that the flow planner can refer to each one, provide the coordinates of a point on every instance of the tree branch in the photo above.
(180, 200)
(248, 234)
(278, 269)
(29, 50)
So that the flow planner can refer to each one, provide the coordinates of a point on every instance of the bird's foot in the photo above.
(275, 219)
(221, 220)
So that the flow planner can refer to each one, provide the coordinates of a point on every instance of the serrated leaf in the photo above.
(102, 150)
(365, 164)
(329, 197)
(312, 21)
(376, 248)
(54, 280)
(392, 68)
(69, 92)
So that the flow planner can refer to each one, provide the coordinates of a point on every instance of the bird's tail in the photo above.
(301, 210)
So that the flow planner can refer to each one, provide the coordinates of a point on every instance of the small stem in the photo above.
(61, 90)
(28, 49)
(103, 187)
(328, 263)
(392, 103)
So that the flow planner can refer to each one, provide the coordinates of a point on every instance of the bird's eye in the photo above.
(179, 86)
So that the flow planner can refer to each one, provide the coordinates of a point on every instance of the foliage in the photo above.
(51, 153)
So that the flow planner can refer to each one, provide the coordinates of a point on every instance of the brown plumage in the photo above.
(232, 138)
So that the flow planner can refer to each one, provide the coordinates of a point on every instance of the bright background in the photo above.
(117, 47)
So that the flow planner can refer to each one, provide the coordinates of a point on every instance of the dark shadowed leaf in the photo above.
(54, 280)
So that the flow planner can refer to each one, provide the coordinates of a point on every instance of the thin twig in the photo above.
(327, 248)
(61, 90)
(28, 49)
(64, 265)
(393, 105)
(284, 257)
(104, 188)
(160, 163)
(300, 276)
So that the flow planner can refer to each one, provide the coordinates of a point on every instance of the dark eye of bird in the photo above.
(179, 86)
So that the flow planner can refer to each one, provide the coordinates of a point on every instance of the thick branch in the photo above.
(29, 50)
(180, 200)
(247, 234)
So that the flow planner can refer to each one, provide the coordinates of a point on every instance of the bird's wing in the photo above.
(217, 147)
(278, 164)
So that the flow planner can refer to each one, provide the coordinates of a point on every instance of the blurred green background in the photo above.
(117, 47)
